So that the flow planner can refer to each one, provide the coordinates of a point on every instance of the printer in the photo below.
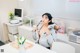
(75, 36)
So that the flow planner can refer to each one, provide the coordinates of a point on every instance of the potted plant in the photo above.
(21, 40)
(11, 16)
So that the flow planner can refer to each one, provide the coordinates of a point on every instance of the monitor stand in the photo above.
(18, 18)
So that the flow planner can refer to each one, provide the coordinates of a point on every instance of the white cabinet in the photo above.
(12, 30)
(64, 38)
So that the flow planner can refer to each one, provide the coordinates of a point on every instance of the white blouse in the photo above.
(45, 40)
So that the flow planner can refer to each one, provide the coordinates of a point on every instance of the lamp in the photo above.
(21, 0)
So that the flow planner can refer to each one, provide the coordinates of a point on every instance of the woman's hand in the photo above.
(56, 27)
(35, 28)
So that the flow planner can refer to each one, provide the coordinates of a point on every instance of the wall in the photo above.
(26, 6)
(6, 6)
(55, 7)
(58, 8)
(73, 9)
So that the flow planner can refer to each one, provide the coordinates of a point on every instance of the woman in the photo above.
(46, 34)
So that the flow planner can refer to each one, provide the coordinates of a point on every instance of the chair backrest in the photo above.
(61, 47)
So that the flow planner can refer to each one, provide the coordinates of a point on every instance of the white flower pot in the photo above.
(22, 49)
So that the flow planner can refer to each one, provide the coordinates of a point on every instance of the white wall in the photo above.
(72, 9)
(58, 8)
(6, 6)
(38, 7)
(55, 7)
(26, 6)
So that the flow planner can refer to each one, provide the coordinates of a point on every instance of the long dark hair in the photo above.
(49, 17)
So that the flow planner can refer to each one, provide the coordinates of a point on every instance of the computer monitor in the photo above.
(18, 12)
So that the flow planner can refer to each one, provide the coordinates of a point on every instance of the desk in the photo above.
(35, 49)
(26, 31)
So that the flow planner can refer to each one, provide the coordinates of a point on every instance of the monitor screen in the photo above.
(18, 12)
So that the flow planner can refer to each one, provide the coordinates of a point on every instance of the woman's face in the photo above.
(45, 19)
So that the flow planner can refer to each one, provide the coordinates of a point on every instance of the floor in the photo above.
(1, 43)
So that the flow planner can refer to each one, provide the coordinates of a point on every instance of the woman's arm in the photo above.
(35, 36)
(52, 38)
(53, 28)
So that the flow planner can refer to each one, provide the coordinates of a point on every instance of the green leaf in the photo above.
(23, 41)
